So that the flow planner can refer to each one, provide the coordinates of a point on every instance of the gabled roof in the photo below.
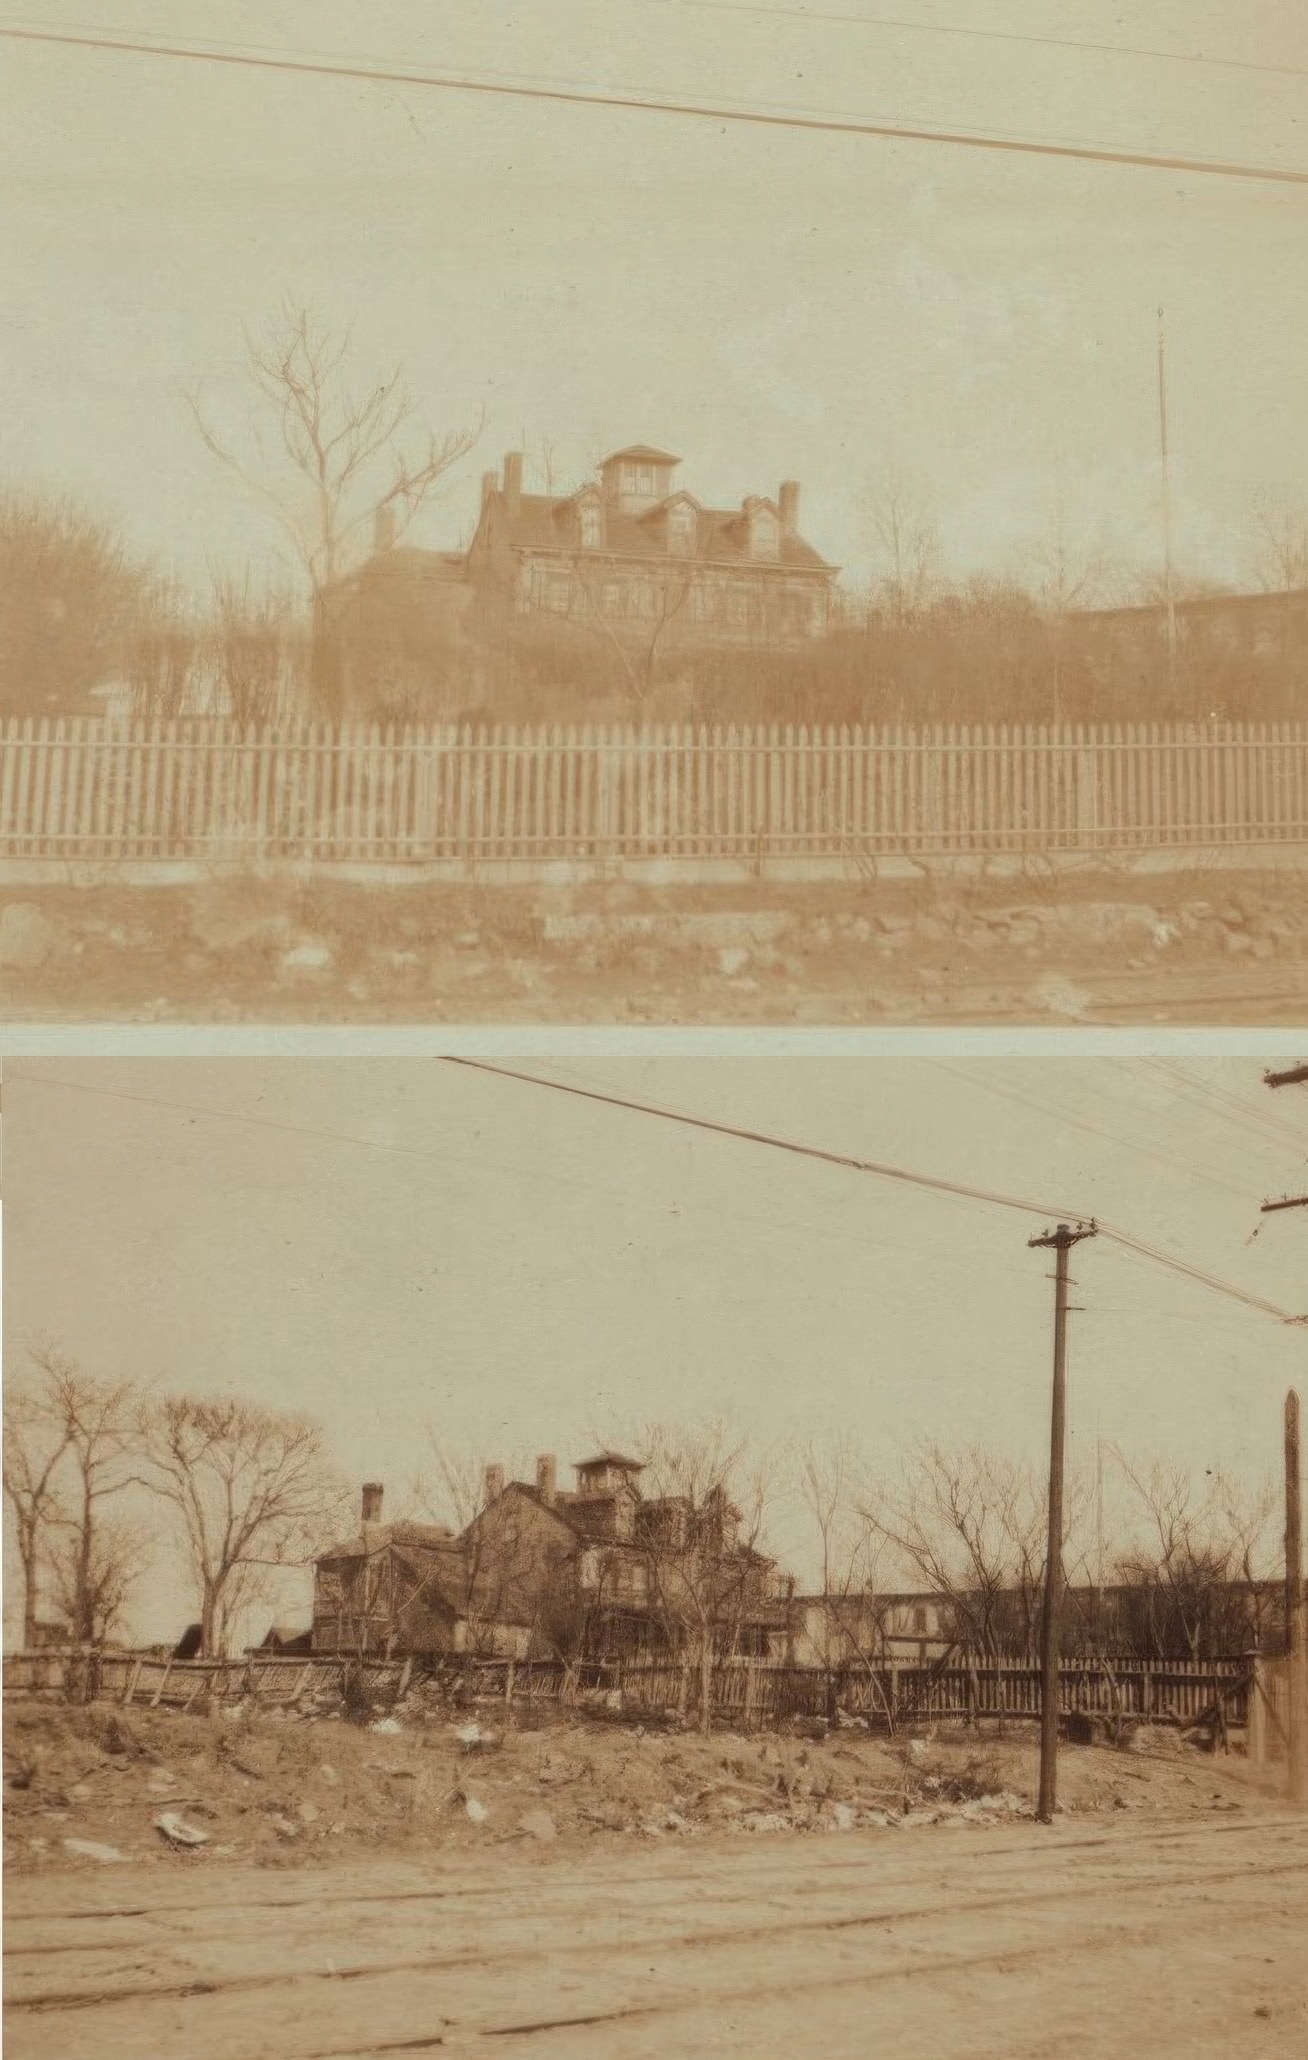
(546, 522)
(643, 453)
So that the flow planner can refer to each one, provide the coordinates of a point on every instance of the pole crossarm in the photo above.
(1292, 1076)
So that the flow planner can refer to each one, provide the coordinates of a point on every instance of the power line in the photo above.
(933, 28)
(882, 1171)
(1063, 1117)
(585, 96)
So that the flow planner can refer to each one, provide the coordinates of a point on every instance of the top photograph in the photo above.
(654, 512)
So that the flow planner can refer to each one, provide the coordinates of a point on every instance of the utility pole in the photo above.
(1296, 1659)
(1169, 594)
(1060, 1241)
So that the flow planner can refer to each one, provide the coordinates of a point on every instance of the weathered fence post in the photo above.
(1255, 1732)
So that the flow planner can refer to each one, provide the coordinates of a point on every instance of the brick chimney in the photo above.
(493, 1483)
(788, 507)
(489, 484)
(383, 528)
(547, 1478)
(372, 1502)
(513, 484)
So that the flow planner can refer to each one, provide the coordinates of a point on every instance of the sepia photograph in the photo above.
(656, 512)
(641, 1557)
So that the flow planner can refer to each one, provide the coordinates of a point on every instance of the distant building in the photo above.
(599, 1570)
(391, 1587)
(631, 552)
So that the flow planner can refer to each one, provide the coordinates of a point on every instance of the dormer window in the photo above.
(764, 533)
(638, 479)
(681, 529)
(591, 526)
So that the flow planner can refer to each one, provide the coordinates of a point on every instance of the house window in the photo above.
(611, 598)
(920, 1621)
(644, 479)
(681, 529)
(558, 596)
(590, 526)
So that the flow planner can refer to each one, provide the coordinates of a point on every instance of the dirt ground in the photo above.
(1084, 946)
(85, 1787)
(1173, 1929)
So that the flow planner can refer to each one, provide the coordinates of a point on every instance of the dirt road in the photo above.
(1180, 1937)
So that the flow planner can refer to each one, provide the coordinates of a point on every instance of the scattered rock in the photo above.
(88, 1849)
(283, 1826)
(843, 1816)
(476, 1810)
(387, 1727)
(311, 956)
(307, 1812)
(178, 1832)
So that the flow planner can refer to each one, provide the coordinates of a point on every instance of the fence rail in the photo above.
(746, 1693)
(89, 790)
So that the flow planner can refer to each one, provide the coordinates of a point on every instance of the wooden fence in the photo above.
(93, 791)
(746, 1693)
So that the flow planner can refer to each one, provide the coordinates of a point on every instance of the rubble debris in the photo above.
(91, 1849)
(178, 1832)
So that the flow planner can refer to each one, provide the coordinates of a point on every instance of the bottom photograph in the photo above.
(503, 1554)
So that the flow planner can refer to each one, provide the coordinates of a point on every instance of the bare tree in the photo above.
(971, 1526)
(35, 1443)
(324, 456)
(701, 1526)
(850, 1550)
(1192, 1576)
(636, 640)
(1279, 542)
(96, 1423)
(908, 541)
(165, 656)
(251, 1487)
(70, 596)
(253, 633)
(94, 1588)
(1070, 574)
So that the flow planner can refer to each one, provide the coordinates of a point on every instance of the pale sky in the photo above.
(766, 303)
(527, 1271)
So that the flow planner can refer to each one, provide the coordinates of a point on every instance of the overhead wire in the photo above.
(1068, 1121)
(1213, 1100)
(962, 1190)
(981, 35)
(581, 95)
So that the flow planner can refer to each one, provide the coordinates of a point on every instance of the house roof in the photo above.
(609, 1459)
(377, 1537)
(721, 535)
(642, 451)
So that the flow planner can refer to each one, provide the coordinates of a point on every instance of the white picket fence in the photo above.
(90, 790)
